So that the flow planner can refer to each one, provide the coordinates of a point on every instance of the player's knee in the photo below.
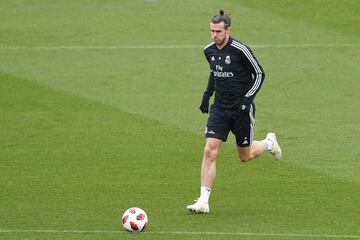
(210, 152)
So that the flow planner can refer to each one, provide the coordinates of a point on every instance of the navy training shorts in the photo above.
(221, 121)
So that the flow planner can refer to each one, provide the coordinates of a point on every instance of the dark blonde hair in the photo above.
(222, 17)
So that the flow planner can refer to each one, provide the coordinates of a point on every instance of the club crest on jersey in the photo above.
(228, 60)
(213, 58)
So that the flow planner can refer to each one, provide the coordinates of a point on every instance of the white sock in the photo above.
(269, 144)
(205, 194)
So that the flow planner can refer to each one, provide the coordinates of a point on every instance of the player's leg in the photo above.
(217, 130)
(208, 165)
(208, 174)
(255, 149)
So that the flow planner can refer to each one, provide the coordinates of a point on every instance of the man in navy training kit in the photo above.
(236, 76)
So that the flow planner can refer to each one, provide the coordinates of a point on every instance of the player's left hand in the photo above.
(245, 106)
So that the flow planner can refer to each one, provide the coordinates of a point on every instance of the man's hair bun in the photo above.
(222, 17)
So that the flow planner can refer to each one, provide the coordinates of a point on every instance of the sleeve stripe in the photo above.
(255, 65)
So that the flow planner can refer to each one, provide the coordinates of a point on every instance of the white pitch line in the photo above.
(291, 235)
(294, 235)
(54, 231)
(99, 47)
(306, 45)
(79, 47)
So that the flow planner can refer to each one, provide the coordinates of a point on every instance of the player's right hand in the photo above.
(204, 105)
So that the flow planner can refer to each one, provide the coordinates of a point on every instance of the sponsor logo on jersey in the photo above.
(223, 74)
(219, 72)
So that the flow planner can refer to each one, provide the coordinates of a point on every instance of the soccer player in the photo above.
(236, 76)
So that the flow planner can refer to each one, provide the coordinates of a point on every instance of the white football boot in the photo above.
(199, 207)
(276, 150)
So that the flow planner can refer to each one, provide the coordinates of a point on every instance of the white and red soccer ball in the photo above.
(134, 219)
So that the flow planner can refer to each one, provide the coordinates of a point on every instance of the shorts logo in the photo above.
(245, 141)
(209, 132)
(227, 60)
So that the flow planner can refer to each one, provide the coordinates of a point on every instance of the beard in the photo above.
(219, 42)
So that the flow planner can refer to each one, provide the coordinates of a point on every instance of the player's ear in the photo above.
(228, 30)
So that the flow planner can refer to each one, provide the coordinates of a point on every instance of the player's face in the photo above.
(218, 33)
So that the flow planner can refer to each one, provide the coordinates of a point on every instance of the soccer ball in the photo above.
(134, 219)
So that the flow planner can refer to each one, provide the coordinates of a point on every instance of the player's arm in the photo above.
(204, 105)
(258, 76)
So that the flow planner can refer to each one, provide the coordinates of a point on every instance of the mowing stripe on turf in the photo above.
(291, 235)
(78, 47)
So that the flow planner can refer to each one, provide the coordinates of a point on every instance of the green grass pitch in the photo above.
(99, 113)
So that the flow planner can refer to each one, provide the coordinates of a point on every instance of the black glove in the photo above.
(204, 105)
(245, 105)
